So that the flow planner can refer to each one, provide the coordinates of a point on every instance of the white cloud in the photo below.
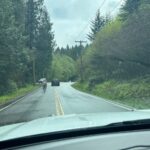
(70, 17)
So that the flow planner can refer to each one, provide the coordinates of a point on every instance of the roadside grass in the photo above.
(134, 93)
(81, 86)
(18, 93)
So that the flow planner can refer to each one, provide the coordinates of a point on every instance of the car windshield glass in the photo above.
(72, 64)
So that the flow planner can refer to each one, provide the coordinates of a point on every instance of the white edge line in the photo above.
(108, 101)
(120, 105)
(11, 104)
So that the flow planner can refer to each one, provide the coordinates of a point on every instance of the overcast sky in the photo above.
(71, 18)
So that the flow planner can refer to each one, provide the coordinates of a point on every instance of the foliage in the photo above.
(74, 52)
(44, 47)
(24, 25)
(17, 93)
(63, 67)
(130, 7)
(40, 38)
(83, 87)
(116, 64)
(97, 56)
(96, 25)
(133, 93)
(121, 49)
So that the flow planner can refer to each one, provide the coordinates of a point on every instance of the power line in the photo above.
(81, 42)
(85, 27)
(116, 6)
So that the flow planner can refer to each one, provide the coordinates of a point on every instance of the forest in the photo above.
(116, 62)
(120, 50)
(118, 47)
(26, 43)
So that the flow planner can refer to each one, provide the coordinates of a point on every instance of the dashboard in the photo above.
(136, 140)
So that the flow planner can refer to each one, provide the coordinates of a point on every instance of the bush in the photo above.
(135, 93)
(12, 86)
(81, 86)
(9, 87)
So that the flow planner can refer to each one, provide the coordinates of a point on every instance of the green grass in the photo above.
(83, 87)
(134, 93)
(18, 93)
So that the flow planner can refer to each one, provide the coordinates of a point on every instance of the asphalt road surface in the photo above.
(60, 100)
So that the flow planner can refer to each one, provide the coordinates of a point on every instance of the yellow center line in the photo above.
(59, 108)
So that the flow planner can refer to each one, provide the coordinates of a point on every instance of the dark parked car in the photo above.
(55, 82)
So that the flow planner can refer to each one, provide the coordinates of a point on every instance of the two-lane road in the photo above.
(60, 100)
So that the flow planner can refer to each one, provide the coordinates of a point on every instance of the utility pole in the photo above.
(34, 77)
(81, 59)
(31, 20)
(81, 42)
(33, 64)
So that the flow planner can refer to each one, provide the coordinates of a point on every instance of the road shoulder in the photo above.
(129, 108)
(16, 100)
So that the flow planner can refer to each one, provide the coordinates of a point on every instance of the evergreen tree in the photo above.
(108, 18)
(129, 8)
(44, 46)
(40, 38)
(11, 47)
(25, 33)
(96, 25)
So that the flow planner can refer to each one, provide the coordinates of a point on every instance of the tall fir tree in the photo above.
(96, 25)
(44, 45)
(129, 8)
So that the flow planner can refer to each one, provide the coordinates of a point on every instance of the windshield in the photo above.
(76, 59)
